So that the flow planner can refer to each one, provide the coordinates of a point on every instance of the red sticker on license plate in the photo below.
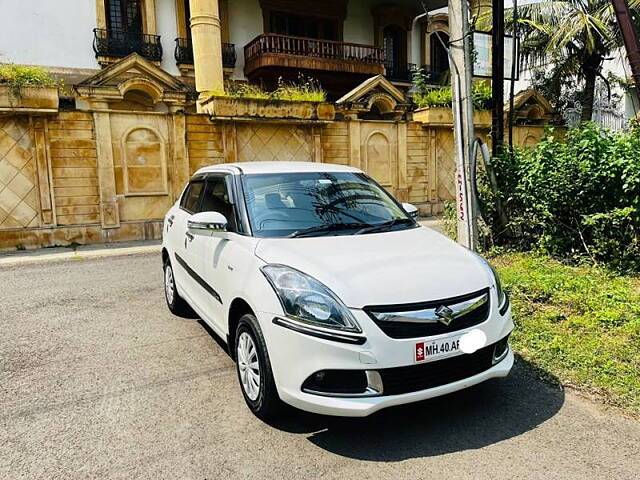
(419, 351)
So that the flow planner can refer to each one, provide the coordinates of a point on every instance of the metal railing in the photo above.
(118, 43)
(399, 73)
(311, 47)
(184, 53)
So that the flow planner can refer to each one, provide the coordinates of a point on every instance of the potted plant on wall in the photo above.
(434, 103)
(27, 89)
(304, 100)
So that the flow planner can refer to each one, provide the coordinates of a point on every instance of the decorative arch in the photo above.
(144, 162)
(143, 85)
(133, 76)
(375, 98)
(383, 102)
(378, 157)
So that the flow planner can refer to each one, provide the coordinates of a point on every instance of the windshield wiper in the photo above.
(329, 227)
(385, 225)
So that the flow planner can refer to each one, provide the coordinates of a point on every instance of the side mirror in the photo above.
(207, 224)
(412, 210)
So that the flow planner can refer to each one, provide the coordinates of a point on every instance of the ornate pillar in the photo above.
(206, 37)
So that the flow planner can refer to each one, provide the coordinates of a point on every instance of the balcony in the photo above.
(184, 53)
(118, 44)
(399, 73)
(275, 51)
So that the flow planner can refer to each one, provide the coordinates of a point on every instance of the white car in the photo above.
(330, 296)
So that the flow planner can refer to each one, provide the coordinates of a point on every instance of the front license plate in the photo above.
(432, 349)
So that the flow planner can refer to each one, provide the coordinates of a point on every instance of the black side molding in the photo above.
(336, 337)
(201, 281)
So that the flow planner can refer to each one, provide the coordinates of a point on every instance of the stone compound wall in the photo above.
(105, 176)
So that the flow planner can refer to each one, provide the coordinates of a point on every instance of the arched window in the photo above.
(123, 16)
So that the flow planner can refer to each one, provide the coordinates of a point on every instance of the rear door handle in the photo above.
(189, 236)
(170, 220)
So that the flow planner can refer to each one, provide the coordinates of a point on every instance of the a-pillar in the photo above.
(206, 39)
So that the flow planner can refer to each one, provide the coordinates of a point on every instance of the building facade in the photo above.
(103, 158)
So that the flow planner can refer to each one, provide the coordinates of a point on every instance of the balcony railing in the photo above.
(399, 72)
(272, 49)
(184, 53)
(118, 43)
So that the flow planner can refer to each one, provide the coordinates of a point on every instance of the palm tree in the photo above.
(573, 37)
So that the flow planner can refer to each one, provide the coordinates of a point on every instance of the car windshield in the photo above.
(319, 203)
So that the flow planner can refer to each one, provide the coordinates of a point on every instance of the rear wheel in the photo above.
(177, 305)
(254, 370)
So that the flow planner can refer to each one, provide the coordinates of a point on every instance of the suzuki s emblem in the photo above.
(444, 314)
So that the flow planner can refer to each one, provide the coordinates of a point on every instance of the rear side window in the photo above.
(191, 198)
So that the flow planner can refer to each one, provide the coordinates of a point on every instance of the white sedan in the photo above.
(330, 296)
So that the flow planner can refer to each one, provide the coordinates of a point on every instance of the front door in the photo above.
(181, 241)
(213, 252)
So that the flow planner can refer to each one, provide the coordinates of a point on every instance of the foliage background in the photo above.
(576, 197)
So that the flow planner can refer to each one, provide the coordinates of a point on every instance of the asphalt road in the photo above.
(98, 380)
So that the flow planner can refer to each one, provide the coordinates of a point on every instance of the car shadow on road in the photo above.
(474, 418)
(479, 416)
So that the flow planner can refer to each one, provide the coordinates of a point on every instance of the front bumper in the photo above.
(295, 356)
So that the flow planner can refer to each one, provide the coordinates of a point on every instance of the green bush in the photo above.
(577, 197)
(426, 96)
(19, 76)
(443, 97)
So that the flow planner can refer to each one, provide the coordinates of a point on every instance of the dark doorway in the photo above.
(301, 26)
(439, 56)
(394, 43)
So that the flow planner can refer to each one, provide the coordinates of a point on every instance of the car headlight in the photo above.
(305, 299)
(502, 296)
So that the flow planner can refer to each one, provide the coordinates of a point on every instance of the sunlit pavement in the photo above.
(98, 380)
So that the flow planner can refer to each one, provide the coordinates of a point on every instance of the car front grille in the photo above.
(397, 328)
(414, 378)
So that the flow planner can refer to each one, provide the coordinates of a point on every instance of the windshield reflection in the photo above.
(318, 203)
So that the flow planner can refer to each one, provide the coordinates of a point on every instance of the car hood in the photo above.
(406, 266)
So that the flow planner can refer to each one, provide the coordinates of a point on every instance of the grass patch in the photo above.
(581, 324)
(305, 90)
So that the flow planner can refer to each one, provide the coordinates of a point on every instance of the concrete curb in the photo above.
(79, 255)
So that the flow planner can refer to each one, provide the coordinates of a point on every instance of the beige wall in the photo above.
(110, 176)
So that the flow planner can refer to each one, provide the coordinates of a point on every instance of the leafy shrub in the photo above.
(19, 76)
(443, 97)
(577, 197)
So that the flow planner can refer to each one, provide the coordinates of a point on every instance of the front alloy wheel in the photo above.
(254, 369)
(248, 366)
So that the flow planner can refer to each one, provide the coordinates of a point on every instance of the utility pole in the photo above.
(631, 40)
(497, 77)
(461, 69)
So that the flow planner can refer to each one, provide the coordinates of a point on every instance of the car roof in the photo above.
(277, 167)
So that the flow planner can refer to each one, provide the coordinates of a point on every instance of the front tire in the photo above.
(177, 305)
(254, 370)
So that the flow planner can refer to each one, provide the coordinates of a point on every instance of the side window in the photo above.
(191, 197)
(216, 199)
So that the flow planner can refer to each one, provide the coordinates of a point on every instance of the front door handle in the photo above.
(170, 220)
(189, 236)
